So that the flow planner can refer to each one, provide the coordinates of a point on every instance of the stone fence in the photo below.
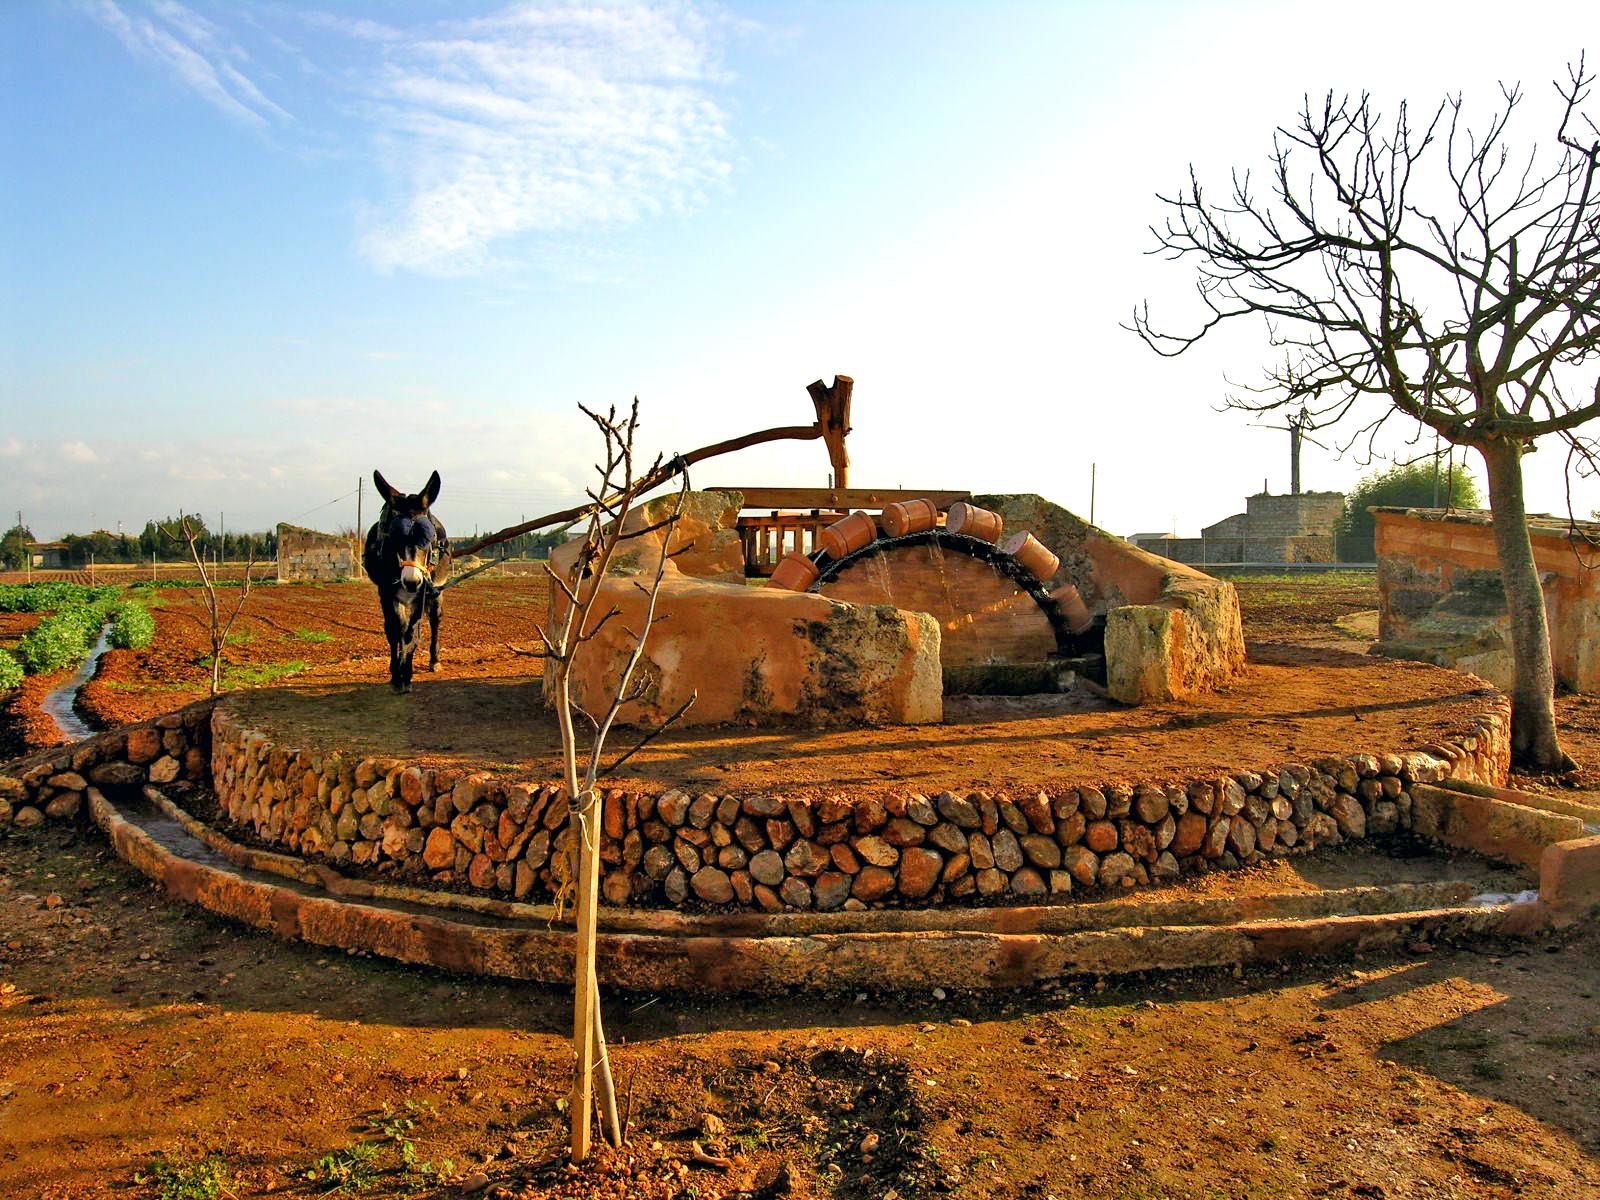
(51, 783)
(488, 833)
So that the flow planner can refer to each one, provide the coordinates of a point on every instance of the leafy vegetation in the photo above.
(132, 626)
(359, 1166)
(11, 672)
(62, 639)
(1411, 485)
(47, 597)
(203, 1180)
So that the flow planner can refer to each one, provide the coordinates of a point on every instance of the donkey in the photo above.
(408, 558)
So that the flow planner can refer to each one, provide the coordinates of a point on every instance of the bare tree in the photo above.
(574, 622)
(220, 629)
(1437, 270)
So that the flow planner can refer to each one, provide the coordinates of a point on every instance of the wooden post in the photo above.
(833, 415)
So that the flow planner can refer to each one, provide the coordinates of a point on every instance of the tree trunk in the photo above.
(1533, 714)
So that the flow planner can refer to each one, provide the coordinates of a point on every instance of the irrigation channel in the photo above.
(61, 704)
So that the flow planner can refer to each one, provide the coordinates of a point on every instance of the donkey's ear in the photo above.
(382, 484)
(431, 492)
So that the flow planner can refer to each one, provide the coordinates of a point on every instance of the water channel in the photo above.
(60, 704)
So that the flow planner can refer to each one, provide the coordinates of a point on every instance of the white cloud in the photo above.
(540, 119)
(194, 51)
(78, 452)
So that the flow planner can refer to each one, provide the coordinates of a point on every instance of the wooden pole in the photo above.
(833, 418)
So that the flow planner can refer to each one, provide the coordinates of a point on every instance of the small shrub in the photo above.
(11, 672)
(203, 1180)
(47, 597)
(132, 626)
(57, 642)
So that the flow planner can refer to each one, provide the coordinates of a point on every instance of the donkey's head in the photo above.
(409, 536)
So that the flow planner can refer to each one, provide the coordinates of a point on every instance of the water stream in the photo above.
(59, 704)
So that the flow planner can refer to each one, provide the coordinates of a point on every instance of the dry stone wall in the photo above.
(306, 555)
(51, 784)
(489, 833)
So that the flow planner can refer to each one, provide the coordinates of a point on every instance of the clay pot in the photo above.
(849, 535)
(1073, 608)
(974, 521)
(1031, 553)
(796, 572)
(910, 516)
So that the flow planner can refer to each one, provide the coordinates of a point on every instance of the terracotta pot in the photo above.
(1031, 553)
(849, 535)
(974, 521)
(910, 516)
(796, 573)
(1073, 608)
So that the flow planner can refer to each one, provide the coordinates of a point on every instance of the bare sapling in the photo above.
(220, 629)
(576, 619)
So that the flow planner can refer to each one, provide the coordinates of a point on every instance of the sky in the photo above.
(251, 251)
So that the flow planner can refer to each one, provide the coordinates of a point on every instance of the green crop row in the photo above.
(46, 597)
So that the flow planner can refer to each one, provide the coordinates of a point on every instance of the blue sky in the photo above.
(251, 251)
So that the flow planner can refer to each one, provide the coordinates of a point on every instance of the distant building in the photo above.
(49, 556)
(1272, 529)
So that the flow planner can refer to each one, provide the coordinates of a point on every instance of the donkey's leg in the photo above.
(394, 629)
(435, 612)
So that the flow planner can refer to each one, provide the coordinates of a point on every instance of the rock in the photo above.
(676, 886)
(920, 809)
(164, 770)
(1241, 837)
(1082, 864)
(807, 858)
(1150, 806)
(902, 831)
(767, 868)
(116, 774)
(467, 831)
(1007, 851)
(870, 816)
(712, 1127)
(1217, 832)
(992, 882)
(1028, 882)
(1101, 836)
(845, 858)
(1348, 815)
(1385, 818)
(1041, 851)
(1115, 868)
(830, 890)
(876, 851)
(1166, 866)
(68, 781)
(1093, 802)
(958, 811)
(712, 885)
(981, 851)
(948, 837)
(1070, 829)
(64, 807)
(796, 893)
(480, 874)
(872, 883)
(673, 808)
(143, 745)
(919, 871)
(1036, 809)
(1060, 883)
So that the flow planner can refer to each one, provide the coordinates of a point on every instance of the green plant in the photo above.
(11, 672)
(202, 1180)
(47, 597)
(132, 626)
(347, 1171)
(63, 638)
(1410, 485)
(310, 635)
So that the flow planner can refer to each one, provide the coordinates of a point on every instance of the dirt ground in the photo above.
(140, 1041)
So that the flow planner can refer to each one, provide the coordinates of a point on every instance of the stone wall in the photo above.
(507, 837)
(1272, 529)
(51, 783)
(1441, 598)
(307, 555)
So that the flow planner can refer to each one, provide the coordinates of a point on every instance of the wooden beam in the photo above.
(840, 498)
(833, 418)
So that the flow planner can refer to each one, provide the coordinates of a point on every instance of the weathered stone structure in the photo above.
(507, 837)
(1441, 598)
(1272, 529)
(305, 555)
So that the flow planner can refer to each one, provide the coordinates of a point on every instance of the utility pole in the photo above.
(361, 483)
(1094, 470)
(27, 550)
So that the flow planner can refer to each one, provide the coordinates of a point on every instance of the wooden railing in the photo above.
(768, 536)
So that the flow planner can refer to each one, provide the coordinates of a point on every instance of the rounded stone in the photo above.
(919, 871)
(712, 885)
(767, 868)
